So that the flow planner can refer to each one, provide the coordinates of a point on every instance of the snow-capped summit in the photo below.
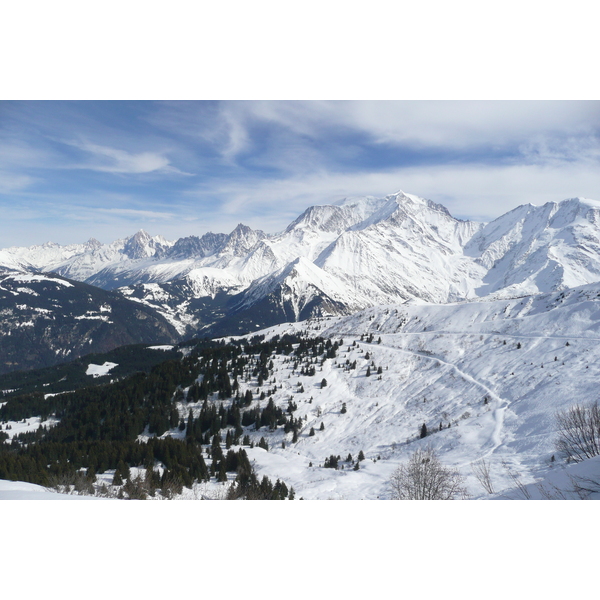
(534, 249)
(143, 245)
(357, 252)
(196, 247)
(93, 244)
(241, 240)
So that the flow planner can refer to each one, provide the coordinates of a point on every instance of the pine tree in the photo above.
(222, 477)
(423, 431)
(322, 426)
(117, 478)
(323, 383)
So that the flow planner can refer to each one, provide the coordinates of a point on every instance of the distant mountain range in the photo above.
(47, 319)
(335, 259)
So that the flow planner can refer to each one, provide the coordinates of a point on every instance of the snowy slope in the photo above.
(539, 248)
(357, 253)
(18, 490)
(485, 377)
(458, 365)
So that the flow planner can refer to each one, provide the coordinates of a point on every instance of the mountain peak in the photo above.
(93, 244)
(140, 245)
(242, 239)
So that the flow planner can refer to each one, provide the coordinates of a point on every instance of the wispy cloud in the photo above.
(114, 160)
(12, 182)
(468, 191)
(137, 214)
(264, 162)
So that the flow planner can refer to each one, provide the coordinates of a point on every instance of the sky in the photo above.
(71, 170)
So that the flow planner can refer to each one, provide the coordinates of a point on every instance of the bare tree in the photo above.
(481, 469)
(520, 487)
(424, 477)
(579, 432)
(584, 487)
(551, 493)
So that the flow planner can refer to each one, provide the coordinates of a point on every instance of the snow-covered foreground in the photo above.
(486, 379)
(18, 490)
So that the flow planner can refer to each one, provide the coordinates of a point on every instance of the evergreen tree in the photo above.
(222, 477)
(117, 478)
(423, 431)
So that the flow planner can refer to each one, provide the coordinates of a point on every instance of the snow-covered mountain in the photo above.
(47, 319)
(336, 259)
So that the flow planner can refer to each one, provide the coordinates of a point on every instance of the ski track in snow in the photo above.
(498, 412)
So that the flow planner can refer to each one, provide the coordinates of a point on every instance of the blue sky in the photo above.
(71, 170)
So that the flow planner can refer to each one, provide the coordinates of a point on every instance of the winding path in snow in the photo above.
(503, 404)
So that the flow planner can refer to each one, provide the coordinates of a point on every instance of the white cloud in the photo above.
(441, 123)
(136, 214)
(113, 160)
(457, 124)
(12, 182)
(481, 193)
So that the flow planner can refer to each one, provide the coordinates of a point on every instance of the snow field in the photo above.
(100, 370)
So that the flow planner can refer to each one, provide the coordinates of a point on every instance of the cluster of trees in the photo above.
(98, 426)
(247, 487)
(333, 461)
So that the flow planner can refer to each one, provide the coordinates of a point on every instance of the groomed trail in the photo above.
(499, 411)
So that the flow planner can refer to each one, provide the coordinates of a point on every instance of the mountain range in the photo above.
(334, 260)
